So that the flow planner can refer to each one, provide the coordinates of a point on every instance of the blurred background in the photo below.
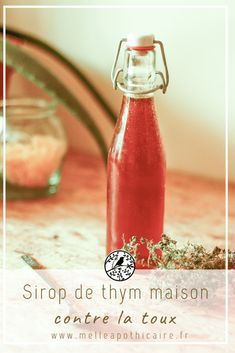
(191, 114)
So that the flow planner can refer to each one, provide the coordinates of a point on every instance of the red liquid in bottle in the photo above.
(136, 176)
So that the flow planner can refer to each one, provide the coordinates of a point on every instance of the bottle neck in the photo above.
(137, 101)
(139, 73)
(138, 96)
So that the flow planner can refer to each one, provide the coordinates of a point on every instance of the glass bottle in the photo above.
(136, 162)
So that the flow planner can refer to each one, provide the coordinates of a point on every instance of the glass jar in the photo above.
(35, 148)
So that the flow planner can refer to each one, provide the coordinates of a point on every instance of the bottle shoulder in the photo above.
(137, 124)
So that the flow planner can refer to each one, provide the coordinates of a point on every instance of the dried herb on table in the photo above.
(189, 257)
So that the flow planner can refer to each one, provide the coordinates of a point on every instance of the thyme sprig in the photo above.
(166, 254)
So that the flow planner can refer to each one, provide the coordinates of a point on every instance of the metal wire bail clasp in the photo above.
(115, 73)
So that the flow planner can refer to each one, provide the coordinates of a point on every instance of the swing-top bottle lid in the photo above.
(134, 43)
(140, 41)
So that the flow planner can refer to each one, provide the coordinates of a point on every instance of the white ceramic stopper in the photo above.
(137, 40)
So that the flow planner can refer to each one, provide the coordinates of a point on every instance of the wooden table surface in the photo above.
(68, 229)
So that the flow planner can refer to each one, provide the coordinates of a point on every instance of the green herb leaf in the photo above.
(189, 257)
(34, 71)
(36, 42)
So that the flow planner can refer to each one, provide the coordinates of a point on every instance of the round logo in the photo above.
(119, 265)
